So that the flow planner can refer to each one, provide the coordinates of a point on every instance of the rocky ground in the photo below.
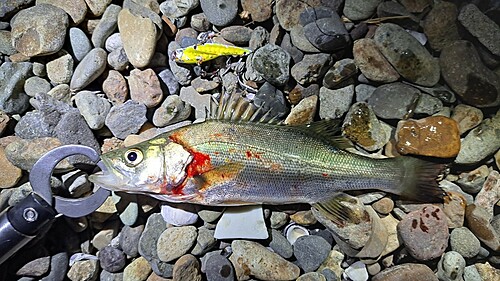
(404, 77)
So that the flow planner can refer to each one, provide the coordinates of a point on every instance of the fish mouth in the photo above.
(106, 180)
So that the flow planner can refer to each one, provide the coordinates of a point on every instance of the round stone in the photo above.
(464, 242)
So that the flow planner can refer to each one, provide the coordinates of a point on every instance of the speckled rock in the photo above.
(489, 195)
(406, 272)
(220, 13)
(467, 76)
(138, 269)
(5, 43)
(91, 67)
(251, 258)
(11, 174)
(334, 104)
(481, 26)
(172, 110)
(175, 242)
(311, 68)
(39, 30)
(487, 272)
(126, 119)
(260, 10)
(467, 117)
(440, 25)
(93, 108)
(115, 87)
(111, 259)
(155, 226)
(177, 9)
(303, 112)
(372, 63)
(75, 9)
(145, 87)
(187, 267)
(138, 35)
(436, 136)
(463, 241)
(311, 251)
(454, 209)
(415, 64)
(35, 85)
(129, 239)
(450, 266)
(60, 69)
(288, 11)
(273, 63)
(341, 71)
(83, 270)
(12, 79)
(24, 153)
(426, 226)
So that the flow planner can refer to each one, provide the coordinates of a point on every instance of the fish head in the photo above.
(156, 168)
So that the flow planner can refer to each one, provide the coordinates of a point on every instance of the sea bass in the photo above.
(228, 163)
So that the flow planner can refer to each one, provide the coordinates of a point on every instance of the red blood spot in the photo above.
(248, 154)
(324, 175)
(200, 164)
(256, 155)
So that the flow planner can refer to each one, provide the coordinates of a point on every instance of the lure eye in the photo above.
(133, 157)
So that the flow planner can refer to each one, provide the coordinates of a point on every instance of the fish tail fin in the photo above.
(420, 180)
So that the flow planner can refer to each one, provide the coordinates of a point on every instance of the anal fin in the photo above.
(341, 208)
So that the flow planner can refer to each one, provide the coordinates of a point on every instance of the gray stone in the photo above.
(111, 259)
(360, 9)
(175, 242)
(168, 82)
(12, 78)
(481, 27)
(178, 8)
(181, 73)
(334, 104)
(272, 63)
(6, 47)
(296, 54)
(35, 85)
(58, 267)
(299, 40)
(61, 93)
(113, 42)
(450, 267)
(172, 110)
(10, 7)
(219, 268)
(464, 242)
(272, 99)
(372, 63)
(39, 30)
(278, 219)
(155, 226)
(428, 104)
(205, 241)
(311, 68)
(288, 12)
(327, 34)
(220, 13)
(414, 63)
(79, 43)
(392, 101)
(237, 34)
(258, 38)
(201, 103)
(125, 119)
(129, 239)
(280, 244)
(91, 67)
(36, 124)
(118, 59)
(60, 70)
(76, 183)
(364, 92)
(108, 276)
(93, 108)
(106, 26)
(311, 251)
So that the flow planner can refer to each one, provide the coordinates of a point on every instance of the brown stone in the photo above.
(304, 218)
(9, 174)
(406, 272)
(454, 209)
(383, 206)
(487, 272)
(145, 87)
(440, 25)
(260, 10)
(303, 112)
(436, 136)
(478, 220)
(187, 267)
(76, 9)
(372, 63)
(4, 120)
(115, 87)
(467, 117)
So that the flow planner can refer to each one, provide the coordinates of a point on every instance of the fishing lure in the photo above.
(208, 51)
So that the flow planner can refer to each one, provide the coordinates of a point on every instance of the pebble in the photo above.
(201, 103)
(481, 142)
(155, 226)
(167, 79)
(4, 121)
(463, 241)
(400, 96)
(436, 136)
(39, 30)
(13, 77)
(237, 34)
(125, 119)
(35, 85)
(138, 269)
(487, 272)
(175, 242)
(312, 276)
(145, 87)
(58, 266)
(5, 43)
(60, 69)
(288, 12)
(177, 9)
(450, 266)
(75, 9)
(467, 117)
(454, 209)
(91, 67)
(296, 54)
(383, 206)
(360, 10)
(271, 98)
(205, 241)
(280, 244)
(440, 25)
(106, 26)
(220, 13)
(129, 239)
(83, 270)
(327, 32)
(93, 108)
(138, 35)
(335, 103)
(303, 218)
(111, 259)
(482, 86)
(414, 64)
(299, 40)
(251, 258)
(80, 44)
(272, 63)
(204, 85)
(489, 195)
(187, 267)
(372, 63)
(278, 219)
(129, 213)
(118, 59)
(362, 127)
(219, 268)
(38, 266)
(97, 7)
(426, 226)
(311, 251)
(311, 68)
(115, 87)
(356, 272)
(341, 71)
(61, 93)
(406, 272)
(481, 26)
(259, 10)
(76, 183)
(303, 112)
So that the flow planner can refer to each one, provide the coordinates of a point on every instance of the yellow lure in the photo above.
(205, 52)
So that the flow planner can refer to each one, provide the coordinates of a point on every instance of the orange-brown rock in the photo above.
(436, 136)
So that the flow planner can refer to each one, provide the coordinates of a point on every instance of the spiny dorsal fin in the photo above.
(327, 130)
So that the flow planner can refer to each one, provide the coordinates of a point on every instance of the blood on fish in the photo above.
(200, 164)
(249, 154)
(324, 175)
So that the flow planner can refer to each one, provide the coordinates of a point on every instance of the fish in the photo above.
(197, 54)
(235, 161)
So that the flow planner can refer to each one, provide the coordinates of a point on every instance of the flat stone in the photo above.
(328, 33)
(138, 269)
(145, 87)
(220, 13)
(11, 174)
(311, 68)
(340, 72)
(288, 11)
(360, 10)
(115, 87)
(75, 9)
(93, 108)
(126, 119)
(436, 136)
(303, 112)
(454, 209)
(155, 226)
(272, 63)
(440, 25)
(260, 10)
(79, 43)
(334, 104)
(24, 153)
(467, 117)
(60, 69)
(175, 242)
(481, 27)
(311, 251)
(393, 101)
(415, 63)
(463, 241)
(171, 111)
(35, 85)
(372, 63)
(39, 30)
(406, 272)
(187, 267)
(12, 78)
(251, 258)
(237, 34)
(299, 40)
(106, 25)
(97, 7)
(219, 268)
(138, 35)
(83, 270)
(468, 77)
(91, 67)
(426, 226)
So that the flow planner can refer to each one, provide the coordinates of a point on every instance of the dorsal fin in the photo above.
(327, 130)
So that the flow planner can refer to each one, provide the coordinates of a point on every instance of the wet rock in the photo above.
(399, 96)
(481, 27)
(39, 30)
(126, 119)
(251, 258)
(311, 251)
(467, 117)
(426, 226)
(467, 76)
(372, 63)
(406, 272)
(12, 79)
(463, 241)
(187, 267)
(288, 11)
(91, 67)
(326, 31)
(106, 25)
(481, 142)
(428, 105)
(80, 44)
(435, 136)
(273, 63)
(360, 10)
(311, 68)
(440, 25)
(83, 270)
(237, 34)
(362, 127)
(175, 242)
(341, 71)
(407, 55)
(93, 108)
(24, 153)
(111, 259)
(219, 268)
(115, 87)
(303, 112)
(335, 103)
(177, 9)
(220, 13)
(260, 10)
(138, 269)
(145, 87)
(60, 69)
(35, 85)
(138, 35)
(451, 266)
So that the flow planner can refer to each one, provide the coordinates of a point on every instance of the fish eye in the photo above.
(133, 157)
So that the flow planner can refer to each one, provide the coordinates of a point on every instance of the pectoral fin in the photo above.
(219, 175)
